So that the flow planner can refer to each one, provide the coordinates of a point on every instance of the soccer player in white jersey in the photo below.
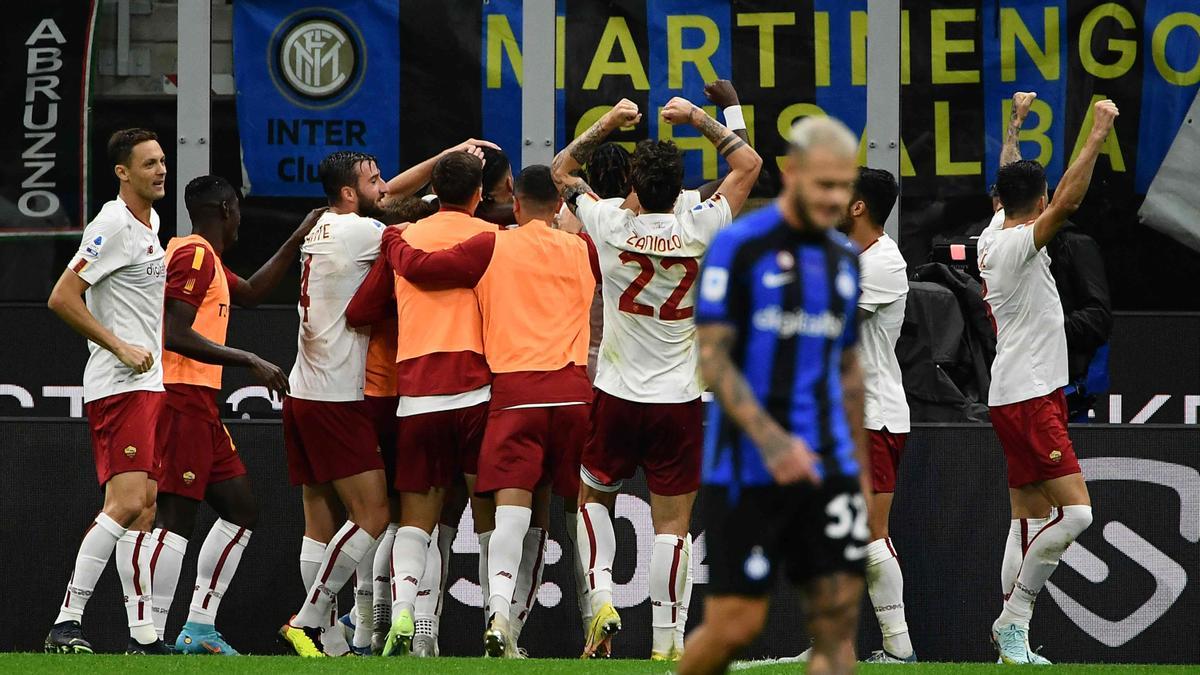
(883, 282)
(120, 269)
(1028, 408)
(647, 410)
(332, 447)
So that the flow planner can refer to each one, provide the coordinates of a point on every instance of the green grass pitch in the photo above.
(98, 664)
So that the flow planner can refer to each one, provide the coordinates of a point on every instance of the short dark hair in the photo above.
(608, 171)
(456, 176)
(495, 168)
(877, 189)
(340, 169)
(407, 210)
(1019, 185)
(122, 142)
(207, 192)
(536, 184)
(656, 172)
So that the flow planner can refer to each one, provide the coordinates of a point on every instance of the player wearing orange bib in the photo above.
(200, 461)
(533, 286)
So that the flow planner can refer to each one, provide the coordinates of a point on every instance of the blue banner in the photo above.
(312, 80)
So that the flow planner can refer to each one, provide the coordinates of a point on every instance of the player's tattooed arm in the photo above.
(744, 162)
(572, 158)
(854, 402)
(572, 191)
(1022, 101)
(787, 458)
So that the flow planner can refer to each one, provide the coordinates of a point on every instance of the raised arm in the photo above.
(66, 300)
(744, 162)
(461, 266)
(1011, 150)
(577, 153)
(1075, 181)
(250, 292)
(722, 94)
(181, 338)
(788, 458)
(416, 177)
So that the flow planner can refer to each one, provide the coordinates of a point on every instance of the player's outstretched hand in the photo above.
(678, 111)
(270, 375)
(625, 113)
(1105, 115)
(309, 222)
(1022, 102)
(794, 464)
(135, 358)
(721, 93)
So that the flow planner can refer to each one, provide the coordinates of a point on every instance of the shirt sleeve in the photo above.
(461, 266)
(103, 250)
(362, 240)
(593, 256)
(723, 293)
(374, 300)
(190, 272)
(877, 283)
(596, 215)
(231, 278)
(711, 216)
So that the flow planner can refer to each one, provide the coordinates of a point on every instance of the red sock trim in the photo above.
(534, 582)
(221, 564)
(587, 523)
(678, 549)
(337, 550)
(137, 575)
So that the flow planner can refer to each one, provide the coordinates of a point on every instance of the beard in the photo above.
(369, 208)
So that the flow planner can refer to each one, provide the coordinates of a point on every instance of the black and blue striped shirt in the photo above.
(792, 297)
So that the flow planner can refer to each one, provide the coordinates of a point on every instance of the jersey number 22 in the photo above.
(670, 310)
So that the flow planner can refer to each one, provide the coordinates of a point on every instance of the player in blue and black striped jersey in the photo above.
(785, 462)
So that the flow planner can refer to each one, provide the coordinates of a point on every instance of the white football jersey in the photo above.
(331, 358)
(1031, 343)
(650, 264)
(122, 260)
(884, 285)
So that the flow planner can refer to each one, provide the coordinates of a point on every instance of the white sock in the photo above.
(165, 563)
(94, 551)
(686, 600)
(1041, 559)
(571, 519)
(428, 607)
(1020, 532)
(529, 579)
(485, 543)
(885, 584)
(364, 599)
(597, 548)
(668, 572)
(504, 556)
(133, 566)
(312, 552)
(218, 562)
(409, 552)
(333, 635)
(381, 578)
(342, 555)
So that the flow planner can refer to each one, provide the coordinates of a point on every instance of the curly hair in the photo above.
(607, 172)
(656, 172)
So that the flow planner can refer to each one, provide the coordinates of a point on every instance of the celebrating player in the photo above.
(785, 457)
(533, 285)
(647, 410)
(332, 447)
(120, 268)
(199, 460)
(1028, 407)
(884, 284)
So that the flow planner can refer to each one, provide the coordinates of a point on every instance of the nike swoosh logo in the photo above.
(771, 280)
(853, 552)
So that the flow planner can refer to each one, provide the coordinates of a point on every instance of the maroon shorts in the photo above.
(435, 449)
(196, 448)
(383, 416)
(124, 432)
(527, 447)
(665, 439)
(886, 450)
(328, 440)
(1034, 436)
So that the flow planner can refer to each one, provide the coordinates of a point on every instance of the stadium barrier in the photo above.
(1126, 592)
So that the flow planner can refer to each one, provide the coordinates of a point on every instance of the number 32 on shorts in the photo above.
(848, 519)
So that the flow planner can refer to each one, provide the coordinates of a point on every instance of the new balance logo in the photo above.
(777, 279)
(412, 580)
(382, 579)
(506, 575)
